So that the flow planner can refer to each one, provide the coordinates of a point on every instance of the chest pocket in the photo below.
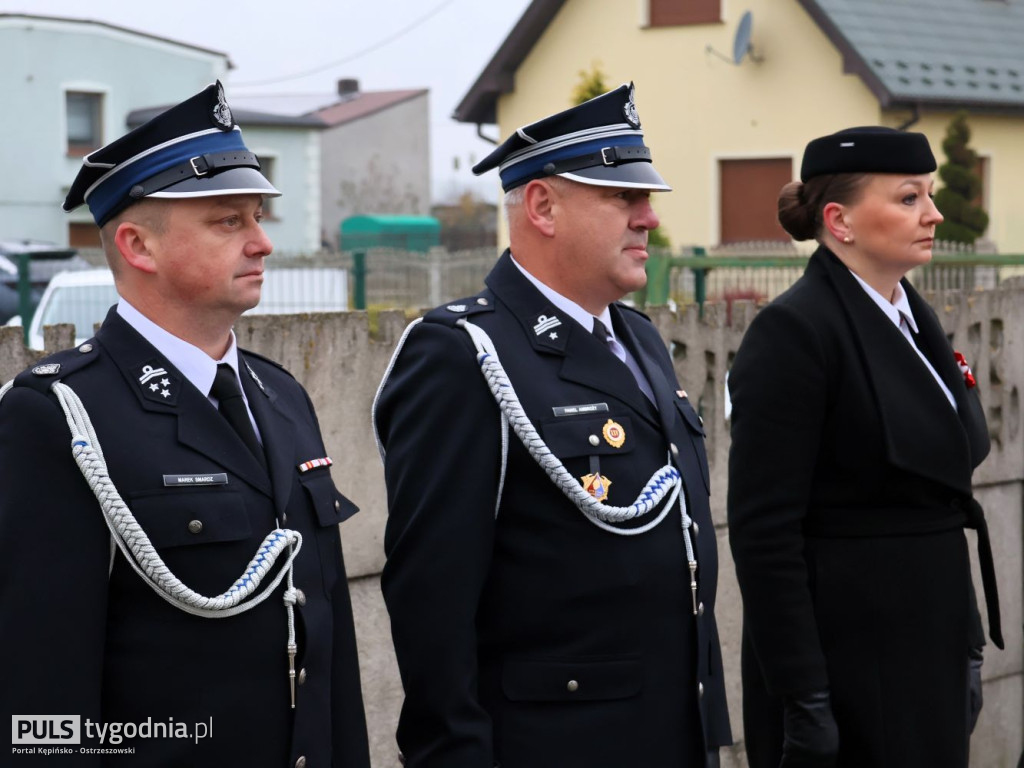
(695, 429)
(330, 508)
(187, 517)
(591, 436)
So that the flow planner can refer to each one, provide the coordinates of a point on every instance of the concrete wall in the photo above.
(340, 364)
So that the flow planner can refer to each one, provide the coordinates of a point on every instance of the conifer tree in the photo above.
(591, 84)
(964, 221)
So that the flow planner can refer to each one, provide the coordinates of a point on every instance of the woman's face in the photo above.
(893, 222)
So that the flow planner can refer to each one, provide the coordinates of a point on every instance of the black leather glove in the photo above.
(975, 659)
(811, 737)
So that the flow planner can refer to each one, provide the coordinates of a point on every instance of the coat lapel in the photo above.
(199, 425)
(936, 348)
(923, 434)
(648, 364)
(585, 360)
(277, 428)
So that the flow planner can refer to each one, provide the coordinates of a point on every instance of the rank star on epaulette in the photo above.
(158, 384)
(50, 369)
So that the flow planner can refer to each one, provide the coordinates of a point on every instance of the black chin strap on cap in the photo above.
(606, 156)
(195, 167)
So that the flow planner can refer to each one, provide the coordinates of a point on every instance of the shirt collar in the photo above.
(568, 306)
(194, 364)
(895, 309)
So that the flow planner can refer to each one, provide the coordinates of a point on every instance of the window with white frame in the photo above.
(85, 122)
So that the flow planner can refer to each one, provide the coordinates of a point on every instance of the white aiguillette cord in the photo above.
(140, 553)
(666, 480)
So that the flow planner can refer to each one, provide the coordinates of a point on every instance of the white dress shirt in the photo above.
(584, 318)
(197, 366)
(899, 312)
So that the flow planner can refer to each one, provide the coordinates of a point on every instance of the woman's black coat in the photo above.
(849, 488)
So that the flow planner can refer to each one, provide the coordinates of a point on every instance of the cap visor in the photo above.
(639, 175)
(234, 181)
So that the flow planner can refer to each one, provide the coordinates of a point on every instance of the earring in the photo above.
(847, 239)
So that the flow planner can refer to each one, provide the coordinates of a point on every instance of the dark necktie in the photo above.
(602, 334)
(232, 407)
(605, 338)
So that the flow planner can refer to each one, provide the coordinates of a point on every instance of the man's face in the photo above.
(602, 239)
(209, 254)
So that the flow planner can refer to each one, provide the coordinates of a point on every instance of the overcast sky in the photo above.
(305, 46)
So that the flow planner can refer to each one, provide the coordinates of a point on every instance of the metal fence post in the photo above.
(700, 283)
(434, 267)
(359, 280)
(657, 279)
(25, 309)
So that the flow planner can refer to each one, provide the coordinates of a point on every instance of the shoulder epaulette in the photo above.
(258, 356)
(620, 305)
(449, 314)
(57, 366)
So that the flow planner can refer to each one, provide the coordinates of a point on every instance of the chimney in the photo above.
(348, 86)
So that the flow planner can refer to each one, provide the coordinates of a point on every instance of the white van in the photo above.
(83, 298)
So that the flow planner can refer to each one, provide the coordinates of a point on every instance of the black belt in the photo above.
(903, 521)
(976, 520)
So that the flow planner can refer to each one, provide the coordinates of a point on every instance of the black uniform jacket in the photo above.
(83, 639)
(849, 486)
(526, 635)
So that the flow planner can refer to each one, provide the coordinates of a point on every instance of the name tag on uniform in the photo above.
(576, 410)
(220, 478)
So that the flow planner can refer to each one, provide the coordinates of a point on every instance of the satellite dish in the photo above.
(741, 43)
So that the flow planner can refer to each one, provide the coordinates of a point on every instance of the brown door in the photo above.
(749, 197)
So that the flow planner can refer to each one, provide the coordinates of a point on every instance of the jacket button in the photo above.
(700, 690)
(674, 448)
(694, 527)
(337, 505)
(301, 762)
(572, 686)
(594, 440)
(85, 348)
(300, 597)
(482, 301)
(196, 526)
(700, 609)
(302, 676)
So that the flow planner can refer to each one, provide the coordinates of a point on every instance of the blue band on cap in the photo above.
(112, 191)
(517, 172)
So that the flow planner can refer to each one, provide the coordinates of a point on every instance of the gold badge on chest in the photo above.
(614, 433)
(596, 485)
